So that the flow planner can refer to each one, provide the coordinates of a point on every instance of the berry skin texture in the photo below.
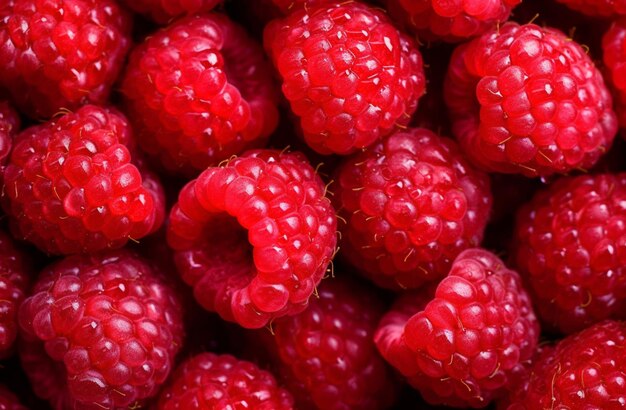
(14, 283)
(570, 246)
(70, 185)
(526, 99)
(288, 6)
(254, 237)
(198, 92)
(60, 55)
(466, 344)
(412, 203)
(451, 21)
(583, 371)
(328, 358)
(614, 56)
(9, 126)
(350, 76)
(101, 331)
(163, 11)
(8, 400)
(601, 8)
(210, 381)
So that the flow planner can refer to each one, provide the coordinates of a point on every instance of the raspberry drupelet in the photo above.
(614, 56)
(451, 21)
(8, 400)
(602, 8)
(583, 371)
(100, 331)
(570, 246)
(350, 76)
(9, 127)
(526, 99)
(463, 347)
(70, 185)
(164, 11)
(198, 92)
(327, 357)
(61, 54)
(412, 203)
(254, 237)
(210, 381)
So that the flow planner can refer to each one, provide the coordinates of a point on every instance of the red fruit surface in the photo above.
(350, 76)
(9, 126)
(463, 347)
(570, 246)
(289, 6)
(583, 371)
(198, 92)
(328, 358)
(210, 381)
(254, 237)
(526, 99)
(8, 400)
(164, 11)
(59, 55)
(614, 49)
(412, 203)
(452, 21)
(71, 186)
(100, 331)
(602, 8)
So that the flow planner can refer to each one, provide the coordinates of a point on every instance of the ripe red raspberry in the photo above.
(328, 358)
(9, 126)
(8, 400)
(163, 11)
(614, 48)
(61, 54)
(526, 99)
(71, 187)
(198, 92)
(451, 21)
(101, 331)
(604, 8)
(210, 381)
(412, 203)
(289, 6)
(254, 237)
(583, 371)
(350, 76)
(462, 348)
(571, 248)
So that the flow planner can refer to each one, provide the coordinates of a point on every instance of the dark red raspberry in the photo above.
(464, 346)
(571, 248)
(14, 281)
(8, 400)
(210, 381)
(450, 21)
(328, 358)
(526, 99)
(412, 203)
(350, 76)
(583, 371)
(101, 331)
(254, 237)
(61, 54)
(71, 187)
(604, 8)
(614, 48)
(9, 127)
(163, 11)
(198, 92)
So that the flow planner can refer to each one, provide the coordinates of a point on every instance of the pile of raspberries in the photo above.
(312, 204)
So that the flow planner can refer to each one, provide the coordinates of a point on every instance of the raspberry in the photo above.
(8, 400)
(463, 347)
(583, 371)
(198, 92)
(526, 99)
(329, 360)
(603, 8)
(288, 6)
(210, 381)
(350, 76)
(71, 187)
(101, 331)
(614, 48)
(412, 204)
(9, 126)
(571, 247)
(61, 54)
(254, 237)
(452, 21)
(163, 11)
